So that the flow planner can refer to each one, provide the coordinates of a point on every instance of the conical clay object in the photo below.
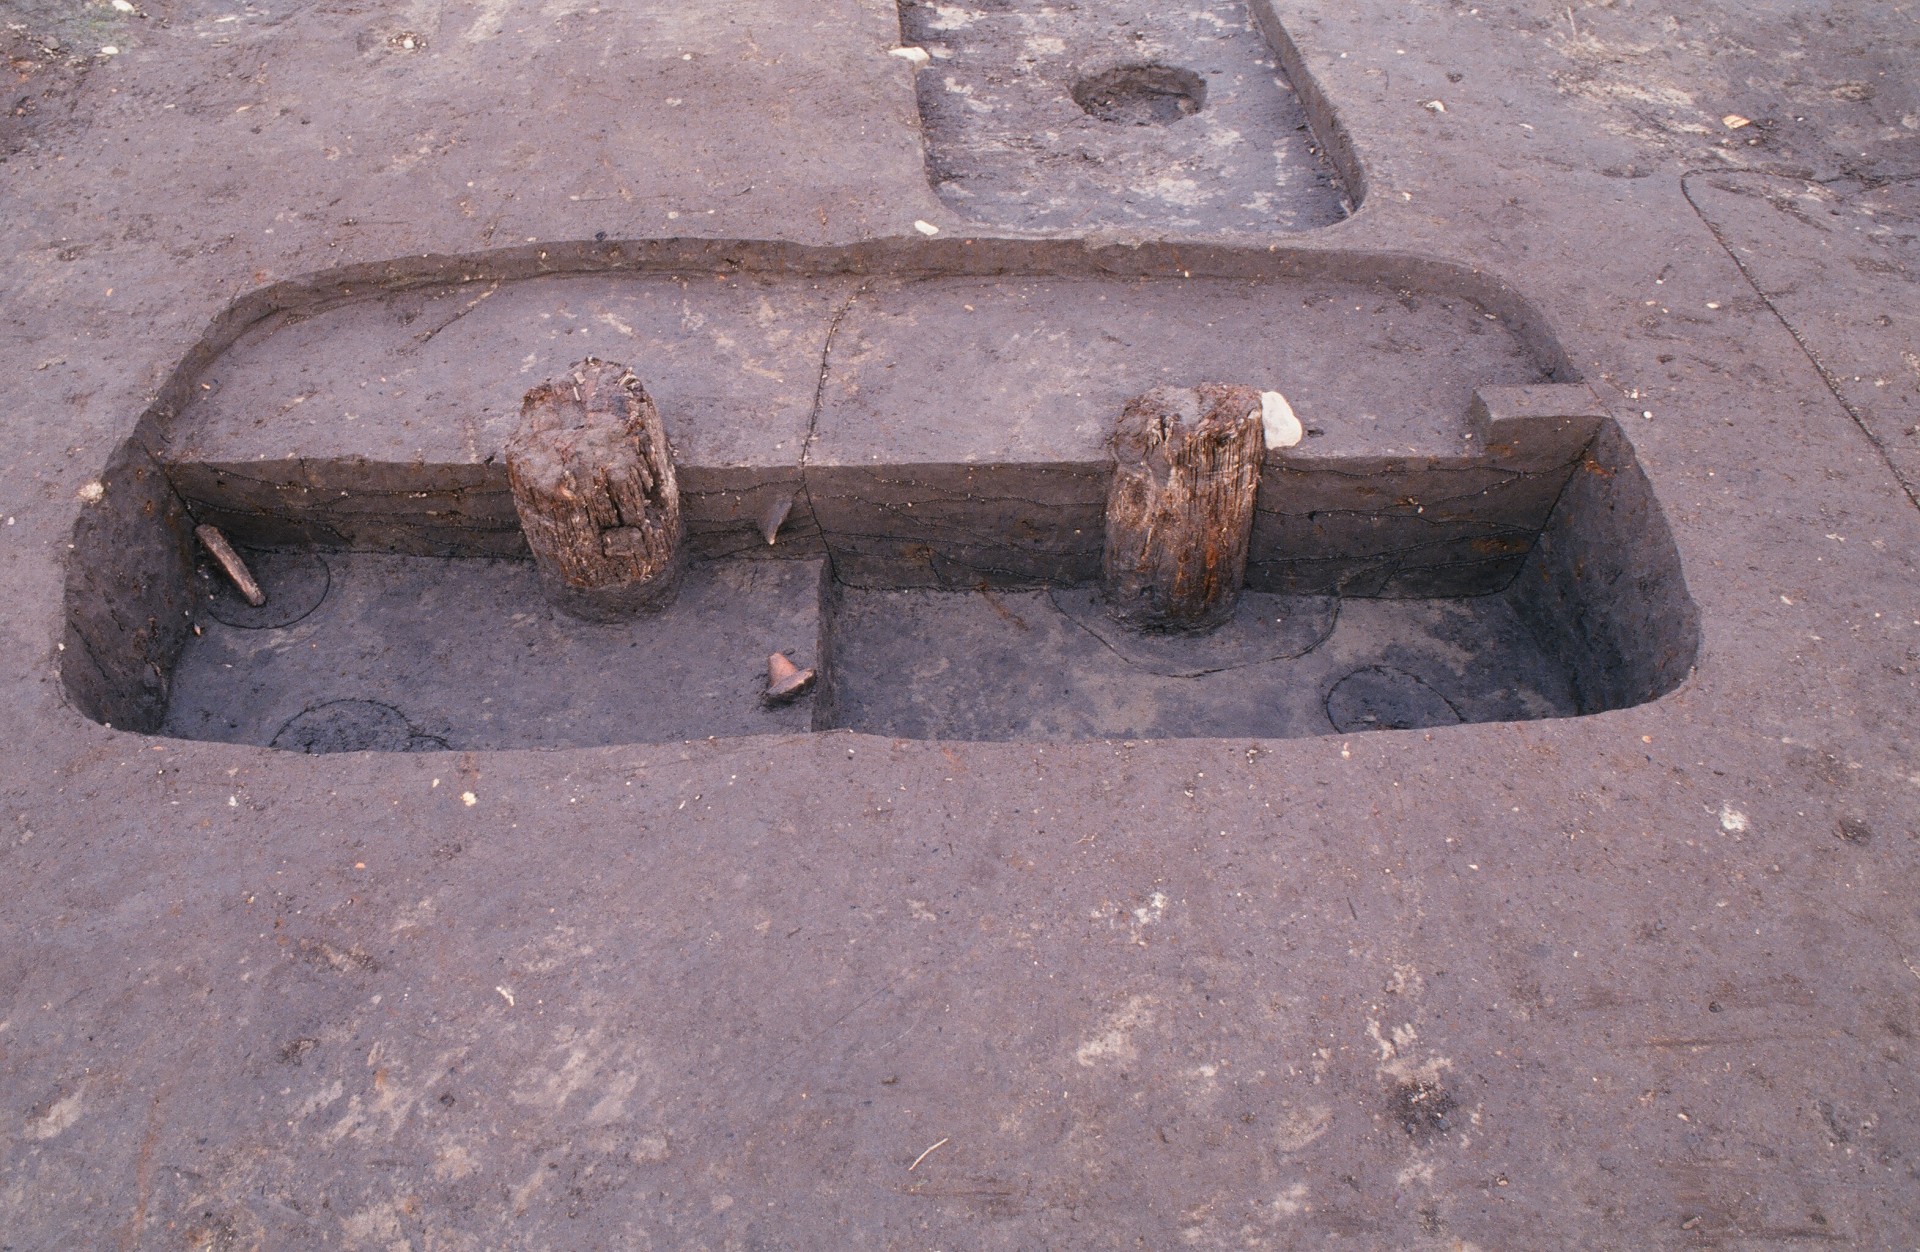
(785, 680)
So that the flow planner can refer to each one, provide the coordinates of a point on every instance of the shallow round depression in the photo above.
(1141, 95)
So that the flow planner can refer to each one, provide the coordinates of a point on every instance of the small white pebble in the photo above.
(1434, 106)
(469, 799)
(1277, 421)
(109, 51)
(94, 492)
(926, 228)
(917, 57)
(123, 6)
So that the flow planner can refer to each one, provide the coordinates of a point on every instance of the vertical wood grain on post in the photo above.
(1180, 511)
(593, 482)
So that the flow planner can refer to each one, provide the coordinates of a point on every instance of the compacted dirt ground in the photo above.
(1619, 952)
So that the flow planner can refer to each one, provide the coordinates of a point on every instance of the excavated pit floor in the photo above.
(367, 652)
(422, 653)
(1065, 117)
(1051, 665)
(1643, 979)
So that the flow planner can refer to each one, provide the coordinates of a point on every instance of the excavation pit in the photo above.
(1167, 119)
(1141, 95)
(1461, 537)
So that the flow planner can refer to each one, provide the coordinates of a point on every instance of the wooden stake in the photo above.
(593, 482)
(230, 562)
(1180, 511)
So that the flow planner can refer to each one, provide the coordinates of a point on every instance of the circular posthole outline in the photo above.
(295, 582)
(1141, 94)
(1380, 697)
(1262, 629)
(352, 726)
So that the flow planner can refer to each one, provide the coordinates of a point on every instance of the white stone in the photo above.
(1277, 422)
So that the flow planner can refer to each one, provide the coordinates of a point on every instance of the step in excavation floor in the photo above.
(403, 653)
(1051, 665)
(363, 652)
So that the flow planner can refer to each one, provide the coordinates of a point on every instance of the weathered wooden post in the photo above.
(1180, 511)
(593, 482)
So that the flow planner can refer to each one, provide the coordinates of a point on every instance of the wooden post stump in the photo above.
(1180, 511)
(593, 483)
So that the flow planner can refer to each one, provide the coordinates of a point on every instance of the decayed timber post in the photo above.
(593, 482)
(1180, 511)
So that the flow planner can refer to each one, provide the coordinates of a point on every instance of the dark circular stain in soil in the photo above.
(1141, 95)
(1377, 697)
(1422, 1108)
(354, 726)
(295, 583)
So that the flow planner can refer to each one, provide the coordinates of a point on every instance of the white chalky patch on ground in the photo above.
(61, 1114)
(319, 1099)
(1181, 191)
(379, 1113)
(454, 1162)
(1203, 1085)
(1115, 1040)
(951, 17)
(1732, 820)
(1291, 1201)
(1137, 920)
(1299, 1128)
(1389, 1048)
(607, 1074)
(378, 1226)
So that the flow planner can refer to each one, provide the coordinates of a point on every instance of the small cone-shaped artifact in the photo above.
(774, 517)
(785, 680)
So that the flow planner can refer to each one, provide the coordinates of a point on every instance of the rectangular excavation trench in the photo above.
(1455, 540)
(1167, 119)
